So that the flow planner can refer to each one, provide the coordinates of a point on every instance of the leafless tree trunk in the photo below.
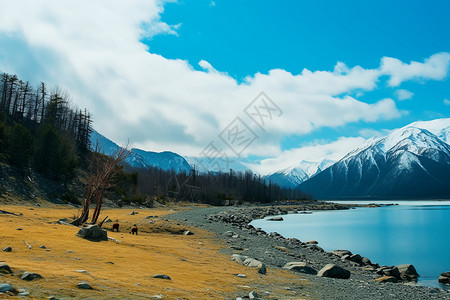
(103, 170)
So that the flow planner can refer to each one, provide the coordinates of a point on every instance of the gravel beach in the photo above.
(230, 224)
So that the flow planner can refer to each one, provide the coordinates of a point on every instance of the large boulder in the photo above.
(444, 278)
(5, 269)
(341, 253)
(28, 276)
(407, 272)
(239, 258)
(254, 263)
(299, 266)
(389, 271)
(334, 271)
(5, 287)
(93, 233)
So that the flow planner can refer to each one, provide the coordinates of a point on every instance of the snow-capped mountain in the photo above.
(293, 176)
(142, 159)
(413, 161)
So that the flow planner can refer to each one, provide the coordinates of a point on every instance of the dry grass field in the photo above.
(125, 269)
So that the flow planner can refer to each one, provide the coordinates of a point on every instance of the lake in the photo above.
(413, 232)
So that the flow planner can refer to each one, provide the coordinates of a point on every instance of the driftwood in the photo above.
(7, 213)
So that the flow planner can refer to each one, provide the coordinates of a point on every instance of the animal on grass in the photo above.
(115, 226)
(134, 230)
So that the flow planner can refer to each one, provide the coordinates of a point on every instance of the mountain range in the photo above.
(142, 159)
(410, 162)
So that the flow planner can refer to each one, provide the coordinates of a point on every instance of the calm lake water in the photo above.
(413, 232)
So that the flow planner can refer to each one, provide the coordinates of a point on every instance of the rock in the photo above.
(5, 287)
(275, 219)
(387, 279)
(407, 272)
(312, 242)
(134, 213)
(341, 253)
(389, 271)
(366, 261)
(334, 271)
(43, 247)
(23, 293)
(445, 274)
(93, 233)
(228, 233)
(251, 262)
(239, 258)
(187, 232)
(28, 276)
(5, 269)
(253, 295)
(241, 275)
(7, 249)
(84, 285)
(356, 258)
(162, 276)
(299, 266)
(444, 279)
(262, 269)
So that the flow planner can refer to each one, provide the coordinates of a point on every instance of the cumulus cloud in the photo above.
(446, 102)
(93, 49)
(403, 94)
(435, 67)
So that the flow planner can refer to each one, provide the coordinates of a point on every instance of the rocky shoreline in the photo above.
(253, 247)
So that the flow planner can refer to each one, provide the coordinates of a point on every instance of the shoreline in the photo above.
(231, 224)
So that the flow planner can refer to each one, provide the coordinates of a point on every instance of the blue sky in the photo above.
(173, 76)
(246, 37)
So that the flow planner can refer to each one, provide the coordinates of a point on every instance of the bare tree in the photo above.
(103, 170)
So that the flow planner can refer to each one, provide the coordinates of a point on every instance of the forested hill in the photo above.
(40, 129)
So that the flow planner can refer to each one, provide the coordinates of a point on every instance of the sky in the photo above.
(269, 82)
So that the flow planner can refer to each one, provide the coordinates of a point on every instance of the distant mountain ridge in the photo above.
(413, 161)
(142, 159)
(293, 176)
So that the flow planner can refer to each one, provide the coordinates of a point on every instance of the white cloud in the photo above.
(93, 50)
(369, 132)
(315, 152)
(435, 67)
(403, 94)
(446, 102)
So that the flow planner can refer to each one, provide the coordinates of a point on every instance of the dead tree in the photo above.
(103, 170)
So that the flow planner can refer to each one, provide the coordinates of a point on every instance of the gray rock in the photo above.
(341, 253)
(241, 275)
(5, 269)
(444, 279)
(7, 249)
(93, 233)
(445, 274)
(23, 294)
(134, 213)
(299, 266)
(407, 272)
(253, 295)
(275, 219)
(254, 263)
(262, 269)
(28, 276)
(312, 242)
(5, 287)
(239, 258)
(187, 232)
(228, 233)
(356, 258)
(84, 286)
(334, 271)
(366, 261)
(389, 271)
(162, 276)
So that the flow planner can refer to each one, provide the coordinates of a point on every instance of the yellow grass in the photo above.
(121, 270)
